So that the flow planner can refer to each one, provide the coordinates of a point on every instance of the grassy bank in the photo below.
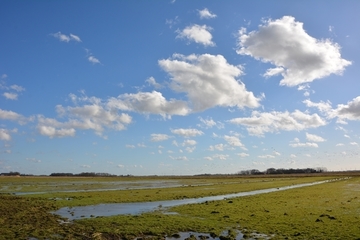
(326, 211)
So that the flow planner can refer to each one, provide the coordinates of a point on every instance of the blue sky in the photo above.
(178, 87)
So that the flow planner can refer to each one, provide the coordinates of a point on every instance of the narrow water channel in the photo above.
(112, 209)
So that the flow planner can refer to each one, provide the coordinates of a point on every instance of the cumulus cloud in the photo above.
(5, 134)
(314, 138)
(190, 132)
(66, 38)
(52, 132)
(149, 103)
(189, 142)
(219, 147)
(234, 141)
(339, 145)
(152, 82)
(208, 81)
(298, 57)
(220, 156)
(206, 14)
(198, 34)
(10, 96)
(159, 137)
(343, 112)
(350, 111)
(297, 143)
(93, 115)
(12, 116)
(262, 122)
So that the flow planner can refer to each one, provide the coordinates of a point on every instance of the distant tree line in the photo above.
(282, 171)
(83, 174)
(10, 174)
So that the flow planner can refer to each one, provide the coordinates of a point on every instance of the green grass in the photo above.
(325, 211)
(214, 186)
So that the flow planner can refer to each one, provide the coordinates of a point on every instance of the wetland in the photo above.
(318, 211)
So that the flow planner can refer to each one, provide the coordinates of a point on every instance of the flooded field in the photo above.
(311, 207)
(112, 209)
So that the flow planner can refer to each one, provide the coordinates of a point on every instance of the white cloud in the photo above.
(129, 146)
(5, 134)
(12, 116)
(233, 141)
(277, 153)
(208, 123)
(66, 38)
(182, 158)
(17, 88)
(75, 38)
(220, 156)
(314, 138)
(266, 156)
(219, 147)
(190, 149)
(94, 116)
(273, 72)
(208, 81)
(152, 82)
(260, 123)
(339, 145)
(190, 132)
(198, 34)
(53, 132)
(292, 156)
(349, 111)
(284, 43)
(10, 96)
(189, 142)
(172, 22)
(354, 143)
(243, 155)
(159, 137)
(34, 160)
(120, 166)
(93, 60)
(307, 144)
(205, 13)
(149, 103)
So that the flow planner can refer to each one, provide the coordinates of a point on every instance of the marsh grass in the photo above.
(325, 211)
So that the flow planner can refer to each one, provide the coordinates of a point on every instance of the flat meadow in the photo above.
(329, 210)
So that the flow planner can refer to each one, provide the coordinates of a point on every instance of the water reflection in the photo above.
(112, 209)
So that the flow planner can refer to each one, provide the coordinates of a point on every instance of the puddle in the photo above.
(111, 209)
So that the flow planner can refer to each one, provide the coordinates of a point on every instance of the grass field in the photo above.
(326, 211)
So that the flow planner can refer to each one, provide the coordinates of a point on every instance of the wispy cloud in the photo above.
(205, 13)
(66, 38)
(94, 60)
